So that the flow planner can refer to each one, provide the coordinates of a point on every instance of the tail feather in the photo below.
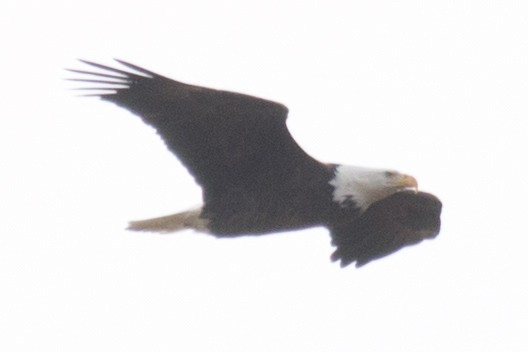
(171, 223)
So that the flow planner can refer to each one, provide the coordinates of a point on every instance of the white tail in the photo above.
(170, 223)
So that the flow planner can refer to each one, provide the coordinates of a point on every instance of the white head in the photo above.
(365, 186)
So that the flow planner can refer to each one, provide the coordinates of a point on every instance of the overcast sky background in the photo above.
(436, 89)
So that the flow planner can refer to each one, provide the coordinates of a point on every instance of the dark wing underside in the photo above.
(224, 139)
(402, 219)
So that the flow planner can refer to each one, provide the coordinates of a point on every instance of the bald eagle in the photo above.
(256, 179)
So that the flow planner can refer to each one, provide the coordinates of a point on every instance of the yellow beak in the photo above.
(408, 181)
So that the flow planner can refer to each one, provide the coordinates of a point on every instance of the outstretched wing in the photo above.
(224, 139)
(402, 219)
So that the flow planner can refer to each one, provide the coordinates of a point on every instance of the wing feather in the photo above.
(402, 219)
(225, 139)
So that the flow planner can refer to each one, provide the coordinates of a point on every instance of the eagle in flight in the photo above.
(256, 179)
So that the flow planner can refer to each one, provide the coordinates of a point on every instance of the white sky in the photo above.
(437, 89)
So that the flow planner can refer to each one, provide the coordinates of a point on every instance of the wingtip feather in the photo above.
(136, 68)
